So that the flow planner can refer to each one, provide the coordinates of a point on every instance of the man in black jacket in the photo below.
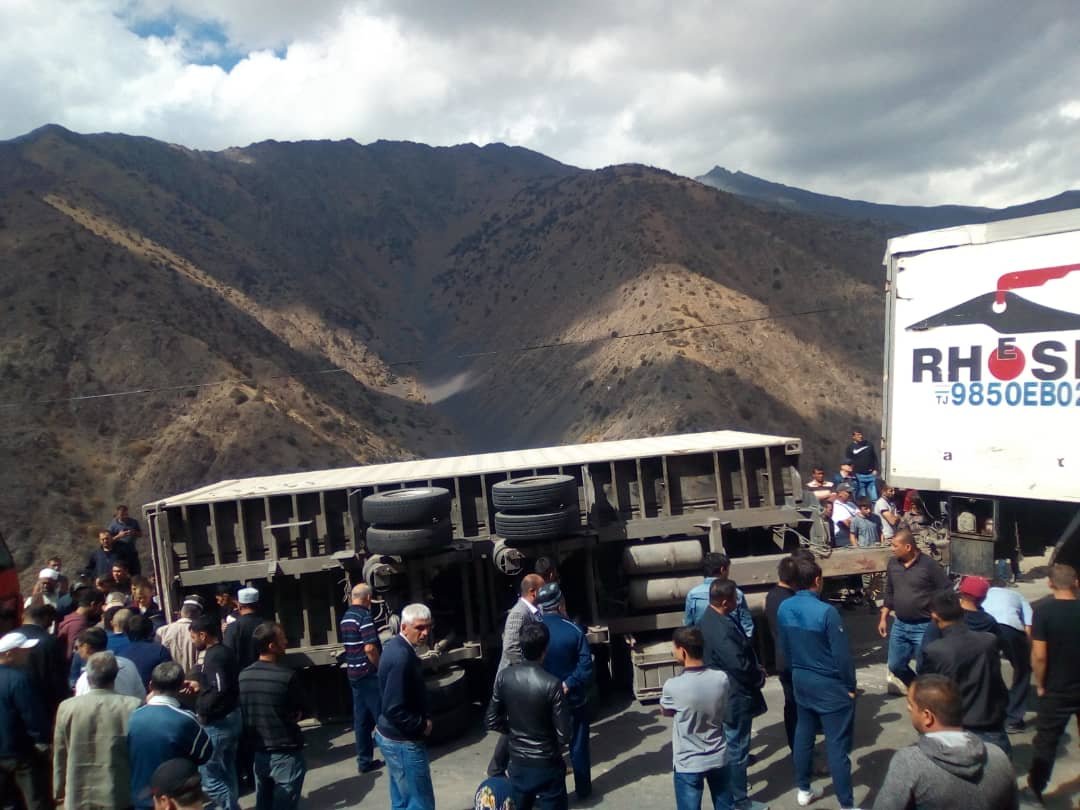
(783, 590)
(527, 703)
(405, 721)
(45, 664)
(728, 649)
(217, 704)
(973, 660)
(862, 457)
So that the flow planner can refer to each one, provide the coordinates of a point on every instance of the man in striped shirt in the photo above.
(161, 730)
(272, 704)
(362, 651)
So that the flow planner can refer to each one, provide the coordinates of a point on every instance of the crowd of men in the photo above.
(104, 704)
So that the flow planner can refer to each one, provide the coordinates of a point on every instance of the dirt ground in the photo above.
(631, 747)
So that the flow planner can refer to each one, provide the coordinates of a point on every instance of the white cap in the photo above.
(16, 641)
(48, 573)
(248, 596)
(191, 600)
(115, 598)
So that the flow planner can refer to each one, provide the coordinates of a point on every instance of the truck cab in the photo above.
(10, 597)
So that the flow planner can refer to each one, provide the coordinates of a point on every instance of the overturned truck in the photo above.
(627, 522)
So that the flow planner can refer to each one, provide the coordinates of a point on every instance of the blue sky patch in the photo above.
(205, 41)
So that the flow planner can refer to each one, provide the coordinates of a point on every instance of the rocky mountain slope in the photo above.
(298, 306)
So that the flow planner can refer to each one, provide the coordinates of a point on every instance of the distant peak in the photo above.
(45, 130)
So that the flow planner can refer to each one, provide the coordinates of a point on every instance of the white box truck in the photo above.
(982, 383)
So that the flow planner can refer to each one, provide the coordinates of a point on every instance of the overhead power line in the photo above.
(416, 362)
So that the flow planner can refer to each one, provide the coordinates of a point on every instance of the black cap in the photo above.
(549, 596)
(174, 776)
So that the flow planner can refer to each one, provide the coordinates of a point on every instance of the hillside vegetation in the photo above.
(367, 303)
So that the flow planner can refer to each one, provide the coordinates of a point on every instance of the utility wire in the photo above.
(418, 361)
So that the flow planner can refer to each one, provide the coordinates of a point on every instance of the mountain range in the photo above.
(899, 218)
(174, 317)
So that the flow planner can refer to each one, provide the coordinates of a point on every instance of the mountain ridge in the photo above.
(912, 217)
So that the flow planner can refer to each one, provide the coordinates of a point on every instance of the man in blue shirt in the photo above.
(823, 675)
(362, 650)
(717, 566)
(569, 659)
(161, 730)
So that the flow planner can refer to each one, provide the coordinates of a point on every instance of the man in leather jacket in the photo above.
(528, 704)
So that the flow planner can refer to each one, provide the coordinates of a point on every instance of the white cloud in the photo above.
(930, 102)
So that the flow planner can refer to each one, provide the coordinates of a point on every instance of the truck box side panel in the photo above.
(983, 368)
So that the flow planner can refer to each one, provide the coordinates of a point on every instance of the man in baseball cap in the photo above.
(24, 724)
(972, 592)
(176, 785)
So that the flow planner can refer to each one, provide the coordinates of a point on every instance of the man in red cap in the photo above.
(972, 591)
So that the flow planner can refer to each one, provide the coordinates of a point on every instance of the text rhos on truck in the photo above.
(982, 382)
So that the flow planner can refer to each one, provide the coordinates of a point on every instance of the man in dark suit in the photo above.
(569, 659)
(728, 649)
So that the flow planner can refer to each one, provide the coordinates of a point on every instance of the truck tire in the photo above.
(535, 493)
(406, 541)
(521, 530)
(451, 724)
(407, 507)
(447, 690)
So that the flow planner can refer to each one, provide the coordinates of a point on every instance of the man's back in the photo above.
(1008, 608)
(161, 731)
(973, 661)
(91, 766)
(146, 655)
(518, 616)
(47, 667)
(128, 681)
(23, 719)
(568, 656)
(176, 638)
(1057, 622)
(815, 642)
(947, 770)
(238, 638)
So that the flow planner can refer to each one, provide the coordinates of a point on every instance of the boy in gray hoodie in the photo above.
(948, 767)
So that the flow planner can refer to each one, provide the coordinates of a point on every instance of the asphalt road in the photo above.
(631, 749)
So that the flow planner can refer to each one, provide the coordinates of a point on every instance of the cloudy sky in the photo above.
(927, 101)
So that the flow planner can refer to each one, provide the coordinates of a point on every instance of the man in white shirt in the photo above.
(843, 512)
(93, 640)
(1012, 612)
(176, 636)
(886, 510)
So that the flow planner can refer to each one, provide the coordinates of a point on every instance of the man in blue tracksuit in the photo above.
(823, 676)
(569, 659)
